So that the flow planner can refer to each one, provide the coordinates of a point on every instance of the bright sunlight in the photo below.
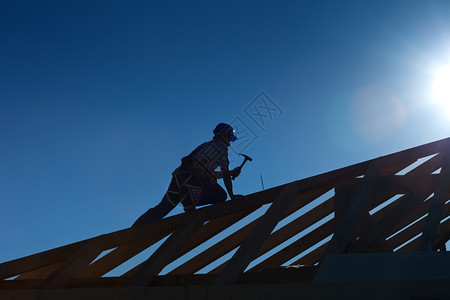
(440, 89)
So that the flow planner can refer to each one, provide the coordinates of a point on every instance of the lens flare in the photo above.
(376, 113)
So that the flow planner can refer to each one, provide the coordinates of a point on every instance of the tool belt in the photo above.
(195, 168)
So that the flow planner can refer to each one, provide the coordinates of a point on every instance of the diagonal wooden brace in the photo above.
(348, 225)
(437, 205)
(249, 248)
(164, 254)
(74, 265)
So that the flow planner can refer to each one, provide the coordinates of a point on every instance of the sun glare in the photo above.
(440, 88)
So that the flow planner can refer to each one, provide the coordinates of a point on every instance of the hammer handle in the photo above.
(240, 167)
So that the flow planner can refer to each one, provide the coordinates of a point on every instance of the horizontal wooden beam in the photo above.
(384, 267)
(388, 290)
(279, 275)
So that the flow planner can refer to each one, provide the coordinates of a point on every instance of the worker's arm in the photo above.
(226, 176)
(235, 173)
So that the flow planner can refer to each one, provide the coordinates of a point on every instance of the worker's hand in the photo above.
(235, 172)
(237, 197)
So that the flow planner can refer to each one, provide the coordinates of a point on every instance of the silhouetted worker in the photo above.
(194, 183)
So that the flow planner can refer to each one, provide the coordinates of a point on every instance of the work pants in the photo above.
(192, 191)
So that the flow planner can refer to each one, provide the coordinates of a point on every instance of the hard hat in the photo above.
(223, 129)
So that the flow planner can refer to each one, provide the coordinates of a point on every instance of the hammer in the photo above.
(246, 157)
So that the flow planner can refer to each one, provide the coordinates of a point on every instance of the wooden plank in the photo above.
(378, 245)
(425, 168)
(343, 196)
(352, 218)
(280, 275)
(291, 226)
(377, 232)
(215, 251)
(37, 261)
(74, 265)
(49, 257)
(203, 234)
(385, 225)
(389, 290)
(118, 256)
(388, 220)
(342, 200)
(291, 229)
(297, 247)
(159, 259)
(212, 228)
(118, 238)
(133, 270)
(407, 234)
(312, 257)
(256, 238)
(413, 245)
(384, 267)
(234, 240)
(415, 153)
(436, 206)
(296, 226)
(386, 183)
(414, 230)
(367, 222)
(41, 273)
(441, 241)
(125, 252)
(208, 230)
(403, 184)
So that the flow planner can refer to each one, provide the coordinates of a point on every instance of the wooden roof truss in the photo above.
(394, 203)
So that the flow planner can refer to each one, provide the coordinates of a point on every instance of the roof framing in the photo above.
(384, 207)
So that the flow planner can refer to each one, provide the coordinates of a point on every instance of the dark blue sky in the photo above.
(99, 100)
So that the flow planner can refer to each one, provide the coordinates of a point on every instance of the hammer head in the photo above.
(246, 157)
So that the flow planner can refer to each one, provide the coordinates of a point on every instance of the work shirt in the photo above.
(206, 158)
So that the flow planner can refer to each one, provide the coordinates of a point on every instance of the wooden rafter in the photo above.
(343, 217)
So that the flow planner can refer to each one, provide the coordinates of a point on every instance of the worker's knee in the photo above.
(222, 195)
